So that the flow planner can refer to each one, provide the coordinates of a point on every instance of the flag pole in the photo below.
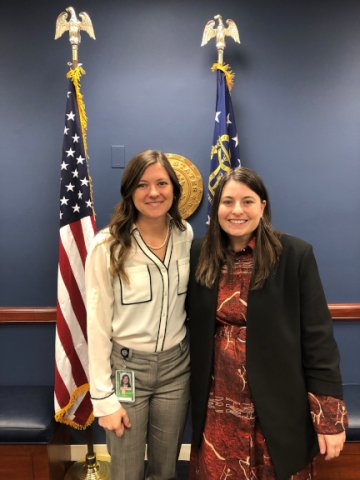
(224, 154)
(74, 407)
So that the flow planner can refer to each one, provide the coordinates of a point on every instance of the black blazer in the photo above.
(290, 351)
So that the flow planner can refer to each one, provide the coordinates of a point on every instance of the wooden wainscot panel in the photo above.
(27, 314)
(345, 467)
(24, 462)
(339, 311)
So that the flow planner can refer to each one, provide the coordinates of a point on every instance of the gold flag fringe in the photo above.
(75, 74)
(60, 414)
(229, 74)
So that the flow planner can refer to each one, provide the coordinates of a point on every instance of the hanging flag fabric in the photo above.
(77, 228)
(225, 149)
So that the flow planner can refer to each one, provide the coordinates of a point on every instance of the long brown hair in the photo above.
(215, 249)
(125, 213)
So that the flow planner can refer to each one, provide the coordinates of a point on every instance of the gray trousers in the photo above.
(157, 416)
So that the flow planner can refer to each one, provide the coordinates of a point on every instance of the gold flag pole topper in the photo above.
(74, 26)
(220, 32)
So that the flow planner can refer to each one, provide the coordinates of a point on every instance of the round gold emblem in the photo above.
(190, 181)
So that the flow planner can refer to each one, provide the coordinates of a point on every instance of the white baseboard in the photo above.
(77, 453)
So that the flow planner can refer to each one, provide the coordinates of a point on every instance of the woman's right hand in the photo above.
(116, 422)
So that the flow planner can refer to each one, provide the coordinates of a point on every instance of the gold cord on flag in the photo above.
(229, 74)
(74, 74)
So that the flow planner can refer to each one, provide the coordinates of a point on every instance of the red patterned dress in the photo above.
(233, 446)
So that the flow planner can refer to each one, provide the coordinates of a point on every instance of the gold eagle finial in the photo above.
(74, 26)
(220, 32)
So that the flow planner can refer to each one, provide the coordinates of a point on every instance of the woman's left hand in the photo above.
(331, 445)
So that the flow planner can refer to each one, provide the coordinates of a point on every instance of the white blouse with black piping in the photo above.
(145, 314)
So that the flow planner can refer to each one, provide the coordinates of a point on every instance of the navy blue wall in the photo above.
(148, 84)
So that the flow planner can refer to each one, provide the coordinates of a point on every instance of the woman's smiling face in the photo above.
(239, 213)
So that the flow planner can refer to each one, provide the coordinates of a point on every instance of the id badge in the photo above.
(125, 386)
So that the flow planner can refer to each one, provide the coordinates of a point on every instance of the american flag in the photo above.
(77, 228)
(225, 149)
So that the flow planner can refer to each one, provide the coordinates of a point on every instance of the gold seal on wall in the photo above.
(190, 181)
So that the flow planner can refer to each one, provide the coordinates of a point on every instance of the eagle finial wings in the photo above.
(232, 30)
(73, 25)
(220, 32)
(86, 24)
(61, 24)
(209, 32)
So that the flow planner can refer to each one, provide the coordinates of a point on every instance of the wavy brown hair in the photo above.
(125, 213)
(215, 249)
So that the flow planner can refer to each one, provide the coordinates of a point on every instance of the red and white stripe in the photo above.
(72, 398)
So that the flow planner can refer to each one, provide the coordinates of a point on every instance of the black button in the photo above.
(124, 352)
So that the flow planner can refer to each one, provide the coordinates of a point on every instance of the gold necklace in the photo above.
(162, 245)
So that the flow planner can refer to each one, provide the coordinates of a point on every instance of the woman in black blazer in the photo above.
(265, 381)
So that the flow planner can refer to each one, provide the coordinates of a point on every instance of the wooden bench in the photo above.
(27, 427)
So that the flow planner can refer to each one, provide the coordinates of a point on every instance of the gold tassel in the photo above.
(229, 74)
(75, 74)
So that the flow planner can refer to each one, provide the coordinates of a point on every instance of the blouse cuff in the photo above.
(328, 414)
(105, 406)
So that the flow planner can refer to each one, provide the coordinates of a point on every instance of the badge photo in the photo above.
(125, 386)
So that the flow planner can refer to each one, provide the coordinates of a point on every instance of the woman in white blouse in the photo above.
(136, 279)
